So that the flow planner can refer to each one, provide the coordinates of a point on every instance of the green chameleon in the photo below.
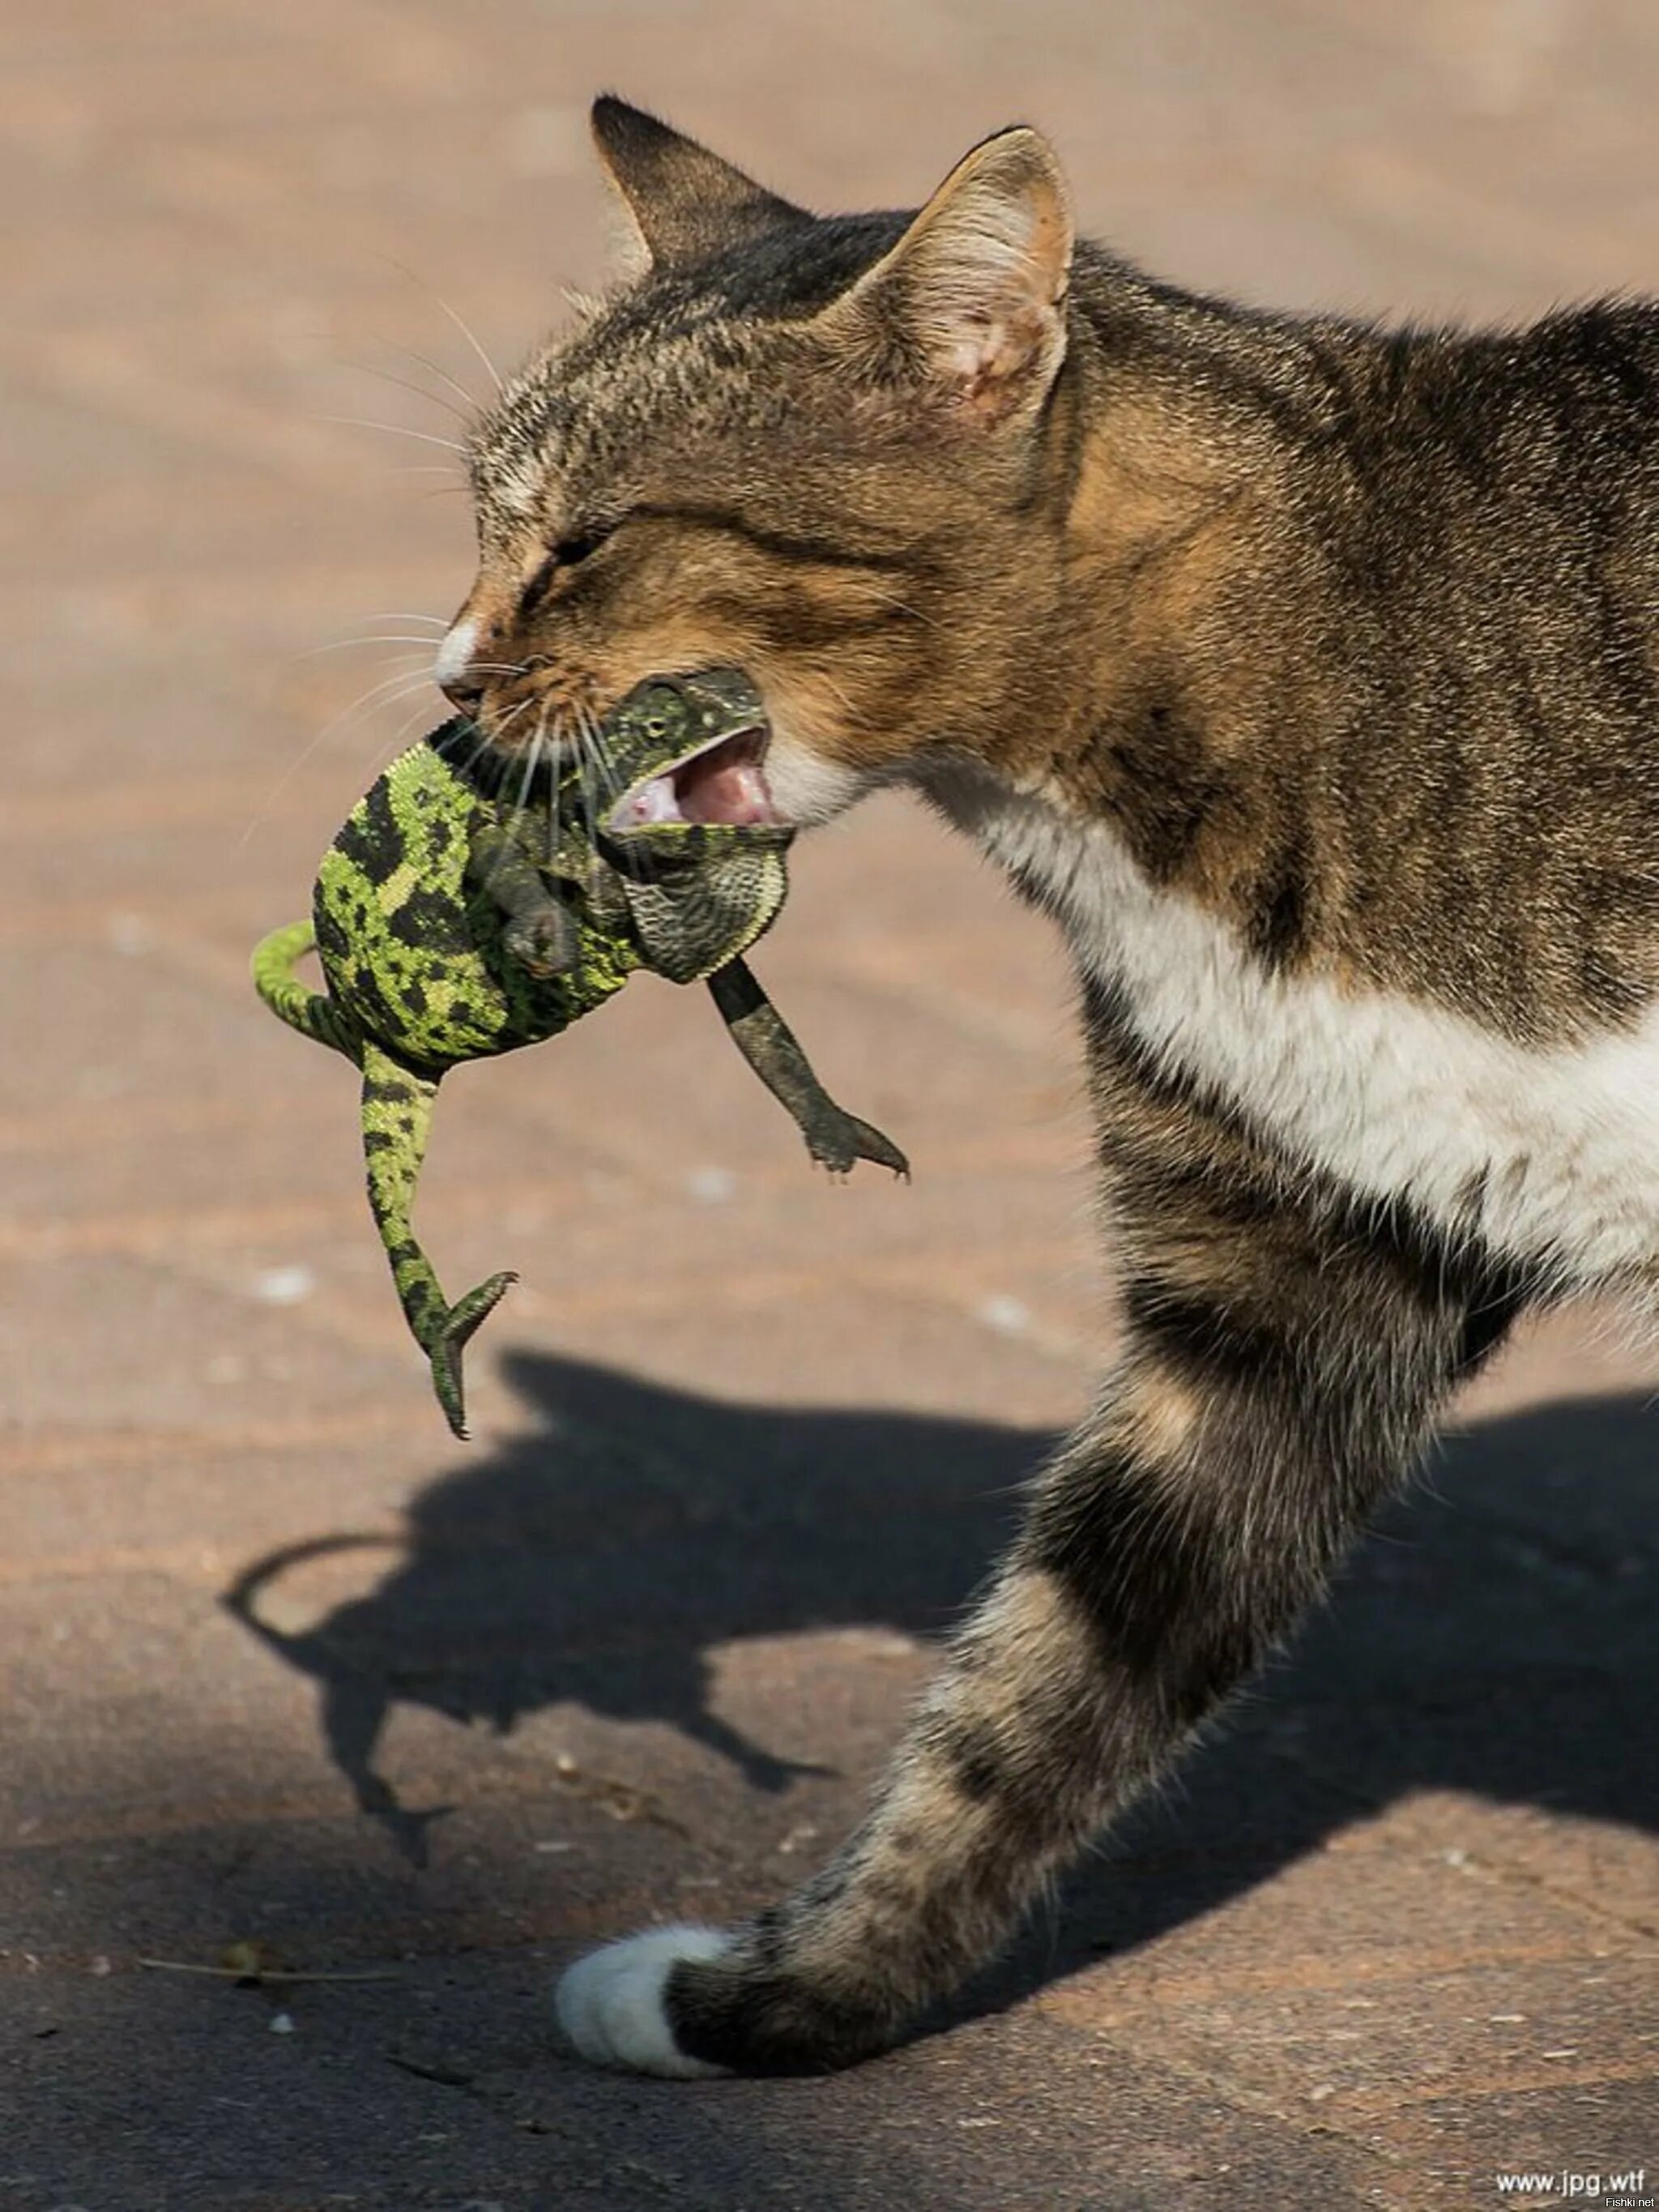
(451, 926)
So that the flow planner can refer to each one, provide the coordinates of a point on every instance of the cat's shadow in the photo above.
(1497, 1635)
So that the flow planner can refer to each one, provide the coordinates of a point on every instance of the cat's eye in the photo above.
(566, 553)
(569, 550)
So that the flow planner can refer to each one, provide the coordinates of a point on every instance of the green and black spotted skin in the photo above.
(413, 943)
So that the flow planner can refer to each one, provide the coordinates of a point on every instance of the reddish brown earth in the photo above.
(744, 1441)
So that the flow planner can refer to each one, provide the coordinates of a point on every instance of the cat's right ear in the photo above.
(970, 304)
(676, 202)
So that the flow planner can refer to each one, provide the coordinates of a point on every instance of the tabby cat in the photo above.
(1305, 674)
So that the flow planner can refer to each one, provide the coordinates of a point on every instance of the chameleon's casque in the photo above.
(452, 925)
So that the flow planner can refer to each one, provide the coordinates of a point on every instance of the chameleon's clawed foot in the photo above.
(837, 1140)
(450, 1340)
(542, 943)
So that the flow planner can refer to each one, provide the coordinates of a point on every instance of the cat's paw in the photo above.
(611, 2005)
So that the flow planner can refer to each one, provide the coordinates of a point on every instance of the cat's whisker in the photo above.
(392, 430)
(481, 747)
(387, 693)
(390, 692)
(532, 751)
(831, 684)
(509, 720)
(468, 400)
(489, 741)
(365, 711)
(594, 737)
(431, 399)
(382, 753)
(466, 332)
(349, 644)
(404, 270)
(611, 784)
(554, 824)
(598, 767)
(403, 679)
(584, 778)
(904, 607)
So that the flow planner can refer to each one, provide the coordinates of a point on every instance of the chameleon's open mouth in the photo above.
(725, 781)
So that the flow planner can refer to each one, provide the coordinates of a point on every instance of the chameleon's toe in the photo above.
(872, 1146)
(456, 1327)
(836, 1141)
(541, 944)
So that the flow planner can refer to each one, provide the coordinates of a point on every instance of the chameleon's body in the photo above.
(453, 927)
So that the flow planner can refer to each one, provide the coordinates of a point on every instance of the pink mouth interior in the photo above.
(726, 783)
(723, 783)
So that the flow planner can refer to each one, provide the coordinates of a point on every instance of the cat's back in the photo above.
(1487, 503)
(1413, 930)
(1472, 609)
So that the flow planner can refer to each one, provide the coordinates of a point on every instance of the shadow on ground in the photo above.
(603, 1557)
(1497, 1635)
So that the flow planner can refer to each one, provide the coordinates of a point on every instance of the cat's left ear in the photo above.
(972, 301)
(678, 202)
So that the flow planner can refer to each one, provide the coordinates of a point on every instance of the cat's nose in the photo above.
(454, 671)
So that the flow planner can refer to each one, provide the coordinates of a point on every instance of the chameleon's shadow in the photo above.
(602, 1557)
(1498, 1635)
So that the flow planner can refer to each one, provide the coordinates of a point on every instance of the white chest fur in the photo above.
(1554, 1157)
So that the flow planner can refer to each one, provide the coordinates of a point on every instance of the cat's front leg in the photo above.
(1282, 1366)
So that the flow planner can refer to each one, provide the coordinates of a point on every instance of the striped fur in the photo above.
(1309, 675)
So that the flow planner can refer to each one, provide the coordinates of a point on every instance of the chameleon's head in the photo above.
(686, 822)
(685, 752)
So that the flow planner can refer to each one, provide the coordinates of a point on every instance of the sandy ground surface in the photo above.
(281, 1666)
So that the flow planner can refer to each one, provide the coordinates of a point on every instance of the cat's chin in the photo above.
(806, 789)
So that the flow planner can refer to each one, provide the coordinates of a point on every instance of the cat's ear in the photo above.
(972, 301)
(677, 201)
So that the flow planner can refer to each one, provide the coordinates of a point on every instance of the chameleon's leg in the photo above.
(540, 935)
(397, 1116)
(835, 1138)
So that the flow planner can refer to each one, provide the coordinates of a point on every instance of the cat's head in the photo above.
(824, 451)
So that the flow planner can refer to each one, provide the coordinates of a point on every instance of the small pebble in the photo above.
(282, 2023)
(129, 934)
(1003, 1314)
(284, 1286)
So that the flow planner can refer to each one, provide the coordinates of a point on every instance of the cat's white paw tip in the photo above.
(610, 2004)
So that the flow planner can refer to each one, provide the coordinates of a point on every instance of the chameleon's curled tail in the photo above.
(275, 959)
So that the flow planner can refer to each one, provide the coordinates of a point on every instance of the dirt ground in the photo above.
(279, 1664)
